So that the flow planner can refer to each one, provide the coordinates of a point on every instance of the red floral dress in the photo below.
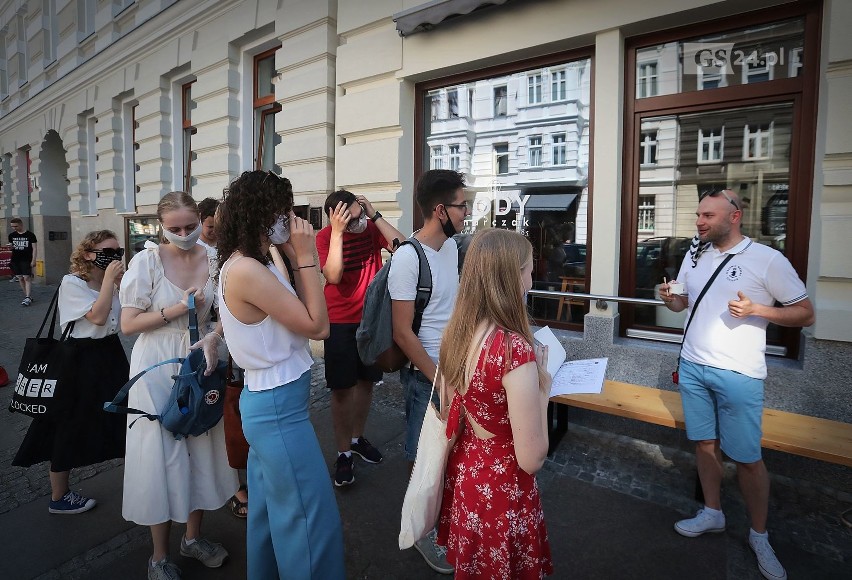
(491, 519)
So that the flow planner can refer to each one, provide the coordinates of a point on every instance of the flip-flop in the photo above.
(237, 507)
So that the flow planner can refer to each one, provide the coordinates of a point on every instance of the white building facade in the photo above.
(592, 126)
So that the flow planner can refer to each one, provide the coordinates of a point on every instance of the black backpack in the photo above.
(375, 333)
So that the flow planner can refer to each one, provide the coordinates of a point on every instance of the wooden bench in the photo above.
(802, 435)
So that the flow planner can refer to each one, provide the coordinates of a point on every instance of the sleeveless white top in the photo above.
(270, 354)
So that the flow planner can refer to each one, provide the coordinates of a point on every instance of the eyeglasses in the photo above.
(461, 205)
(110, 252)
(725, 195)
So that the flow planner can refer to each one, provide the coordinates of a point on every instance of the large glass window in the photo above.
(742, 118)
(525, 174)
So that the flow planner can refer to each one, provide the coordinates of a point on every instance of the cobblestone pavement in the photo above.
(801, 514)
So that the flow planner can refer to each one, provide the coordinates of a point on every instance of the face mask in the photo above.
(106, 256)
(280, 232)
(358, 226)
(448, 227)
(186, 242)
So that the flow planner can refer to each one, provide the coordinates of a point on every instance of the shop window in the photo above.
(535, 151)
(749, 129)
(551, 210)
(138, 230)
(455, 158)
(265, 108)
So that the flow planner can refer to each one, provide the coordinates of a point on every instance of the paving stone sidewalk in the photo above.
(591, 486)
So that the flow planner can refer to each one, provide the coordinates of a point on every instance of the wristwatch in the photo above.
(376, 216)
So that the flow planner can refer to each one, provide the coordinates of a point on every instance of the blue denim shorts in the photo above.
(724, 405)
(416, 388)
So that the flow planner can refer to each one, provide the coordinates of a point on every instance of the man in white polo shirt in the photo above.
(722, 364)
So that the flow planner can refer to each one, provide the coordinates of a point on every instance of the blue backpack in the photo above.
(196, 402)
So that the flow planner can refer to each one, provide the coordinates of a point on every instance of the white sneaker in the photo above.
(767, 562)
(702, 523)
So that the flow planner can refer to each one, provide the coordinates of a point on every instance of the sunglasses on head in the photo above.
(723, 194)
(110, 252)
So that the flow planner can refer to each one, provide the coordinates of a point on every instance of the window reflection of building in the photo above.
(647, 80)
(522, 141)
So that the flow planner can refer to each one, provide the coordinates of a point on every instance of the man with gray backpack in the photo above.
(440, 198)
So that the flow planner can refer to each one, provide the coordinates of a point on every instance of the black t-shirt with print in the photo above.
(22, 246)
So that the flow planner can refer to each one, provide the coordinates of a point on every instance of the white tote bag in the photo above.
(422, 504)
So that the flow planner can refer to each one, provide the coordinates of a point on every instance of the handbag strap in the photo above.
(53, 308)
(698, 300)
(113, 406)
(193, 319)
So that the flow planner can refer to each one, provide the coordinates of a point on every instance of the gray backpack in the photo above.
(375, 333)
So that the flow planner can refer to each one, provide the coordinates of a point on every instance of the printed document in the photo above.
(571, 377)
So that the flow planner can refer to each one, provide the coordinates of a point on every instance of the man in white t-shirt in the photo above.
(722, 364)
(440, 198)
(207, 208)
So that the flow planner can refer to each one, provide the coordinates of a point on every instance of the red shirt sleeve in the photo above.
(323, 243)
(379, 241)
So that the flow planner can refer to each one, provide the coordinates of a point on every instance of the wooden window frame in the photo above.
(266, 105)
(188, 132)
(801, 92)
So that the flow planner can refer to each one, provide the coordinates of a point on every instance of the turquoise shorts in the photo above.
(724, 405)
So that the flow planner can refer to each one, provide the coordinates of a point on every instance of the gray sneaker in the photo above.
(208, 553)
(435, 555)
(163, 570)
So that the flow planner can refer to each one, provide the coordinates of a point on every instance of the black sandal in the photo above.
(239, 508)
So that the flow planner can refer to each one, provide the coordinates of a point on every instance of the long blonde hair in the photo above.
(490, 291)
(80, 266)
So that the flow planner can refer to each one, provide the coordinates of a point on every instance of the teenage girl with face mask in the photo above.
(88, 299)
(167, 480)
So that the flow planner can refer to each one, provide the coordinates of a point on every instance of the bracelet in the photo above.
(303, 267)
(163, 314)
(219, 336)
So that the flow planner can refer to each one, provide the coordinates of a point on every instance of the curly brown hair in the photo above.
(80, 266)
(252, 204)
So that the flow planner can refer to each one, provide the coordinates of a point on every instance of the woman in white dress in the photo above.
(88, 299)
(167, 480)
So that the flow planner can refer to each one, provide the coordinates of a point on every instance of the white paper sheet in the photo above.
(556, 353)
(579, 376)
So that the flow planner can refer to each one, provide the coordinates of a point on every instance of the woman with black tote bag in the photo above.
(84, 434)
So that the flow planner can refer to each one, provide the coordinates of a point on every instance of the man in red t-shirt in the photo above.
(350, 256)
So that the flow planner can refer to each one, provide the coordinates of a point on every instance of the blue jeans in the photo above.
(416, 388)
(294, 528)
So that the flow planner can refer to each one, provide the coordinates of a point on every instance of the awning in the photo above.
(542, 201)
(429, 14)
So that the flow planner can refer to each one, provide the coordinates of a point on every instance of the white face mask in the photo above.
(357, 227)
(280, 231)
(186, 242)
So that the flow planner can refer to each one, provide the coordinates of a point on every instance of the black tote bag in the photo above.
(45, 386)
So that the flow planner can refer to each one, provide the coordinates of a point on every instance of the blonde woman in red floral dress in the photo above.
(491, 518)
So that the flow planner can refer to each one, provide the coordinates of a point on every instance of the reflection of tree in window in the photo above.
(501, 158)
(265, 108)
(500, 101)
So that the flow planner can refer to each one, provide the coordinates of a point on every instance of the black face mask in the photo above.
(106, 256)
(448, 227)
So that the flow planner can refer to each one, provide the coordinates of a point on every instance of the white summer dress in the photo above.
(166, 479)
